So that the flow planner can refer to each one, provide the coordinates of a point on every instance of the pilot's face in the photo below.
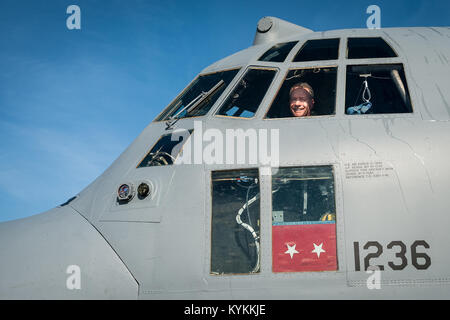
(301, 102)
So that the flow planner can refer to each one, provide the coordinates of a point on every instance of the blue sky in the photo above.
(72, 100)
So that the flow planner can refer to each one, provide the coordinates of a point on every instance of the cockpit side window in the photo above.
(362, 48)
(376, 89)
(278, 52)
(245, 99)
(319, 49)
(303, 219)
(235, 225)
(306, 92)
(166, 149)
(200, 96)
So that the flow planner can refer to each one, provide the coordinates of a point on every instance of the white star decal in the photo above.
(291, 250)
(318, 249)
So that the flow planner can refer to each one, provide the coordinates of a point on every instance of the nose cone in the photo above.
(60, 255)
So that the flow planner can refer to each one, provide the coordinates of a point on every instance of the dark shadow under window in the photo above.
(386, 92)
(323, 83)
(321, 49)
(245, 99)
(279, 52)
(362, 48)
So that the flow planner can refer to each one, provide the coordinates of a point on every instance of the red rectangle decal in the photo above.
(304, 247)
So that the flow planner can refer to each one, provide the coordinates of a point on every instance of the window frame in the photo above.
(286, 58)
(291, 68)
(370, 37)
(155, 143)
(374, 61)
(209, 223)
(262, 103)
(341, 261)
(266, 230)
(166, 111)
(339, 38)
(378, 115)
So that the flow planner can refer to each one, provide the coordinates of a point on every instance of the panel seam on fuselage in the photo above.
(112, 248)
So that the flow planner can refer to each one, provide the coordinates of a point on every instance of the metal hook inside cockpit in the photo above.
(366, 91)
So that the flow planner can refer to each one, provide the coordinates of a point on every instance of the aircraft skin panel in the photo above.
(40, 249)
(102, 191)
(166, 253)
(397, 214)
(403, 213)
(427, 53)
(310, 290)
(235, 60)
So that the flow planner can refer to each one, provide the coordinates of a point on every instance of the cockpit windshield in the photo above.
(186, 104)
(245, 99)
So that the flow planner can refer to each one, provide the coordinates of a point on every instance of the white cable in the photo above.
(366, 90)
(250, 228)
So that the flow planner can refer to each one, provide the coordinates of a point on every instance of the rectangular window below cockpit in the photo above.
(303, 220)
(235, 226)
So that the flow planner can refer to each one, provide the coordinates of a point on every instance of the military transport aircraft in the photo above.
(311, 165)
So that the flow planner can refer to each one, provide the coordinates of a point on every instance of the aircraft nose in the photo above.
(40, 256)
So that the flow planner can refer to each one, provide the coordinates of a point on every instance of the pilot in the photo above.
(301, 99)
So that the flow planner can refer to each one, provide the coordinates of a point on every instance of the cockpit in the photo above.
(367, 78)
(371, 71)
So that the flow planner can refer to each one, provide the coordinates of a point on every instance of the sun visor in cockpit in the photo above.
(165, 151)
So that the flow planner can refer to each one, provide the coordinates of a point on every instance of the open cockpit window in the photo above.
(376, 89)
(246, 97)
(303, 219)
(235, 226)
(200, 96)
(320, 49)
(362, 48)
(166, 149)
(278, 52)
(306, 92)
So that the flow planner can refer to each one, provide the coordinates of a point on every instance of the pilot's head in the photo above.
(301, 99)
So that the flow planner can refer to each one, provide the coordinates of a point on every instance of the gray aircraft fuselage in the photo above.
(391, 190)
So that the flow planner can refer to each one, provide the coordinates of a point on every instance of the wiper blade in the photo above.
(173, 119)
(206, 96)
(194, 104)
